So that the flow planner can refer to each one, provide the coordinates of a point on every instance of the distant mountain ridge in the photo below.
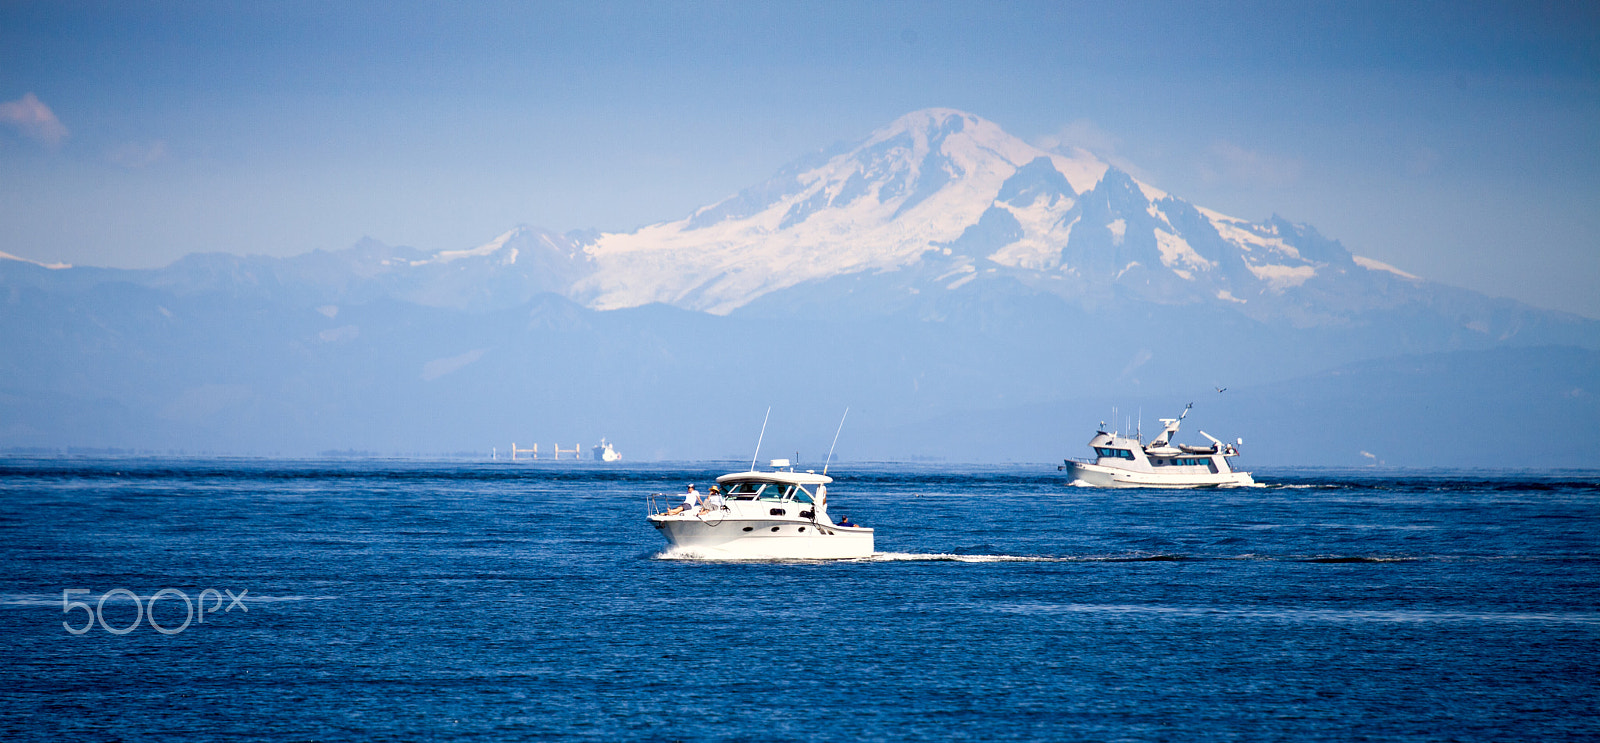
(938, 270)
(940, 197)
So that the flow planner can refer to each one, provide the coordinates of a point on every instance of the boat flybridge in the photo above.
(1126, 462)
(781, 514)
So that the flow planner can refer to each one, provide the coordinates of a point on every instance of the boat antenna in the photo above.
(759, 438)
(835, 440)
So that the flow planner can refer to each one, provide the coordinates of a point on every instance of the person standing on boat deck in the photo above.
(690, 500)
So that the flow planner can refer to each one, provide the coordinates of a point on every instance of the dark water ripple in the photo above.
(449, 601)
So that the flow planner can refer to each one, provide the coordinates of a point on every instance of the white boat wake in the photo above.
(951, 557)
(680, 553)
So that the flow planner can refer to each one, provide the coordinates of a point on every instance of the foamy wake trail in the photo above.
(681, 553)
(945, 557)
(687, 553)
(684, 553)
(678, 553)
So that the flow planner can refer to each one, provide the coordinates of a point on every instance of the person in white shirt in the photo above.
(690, 500)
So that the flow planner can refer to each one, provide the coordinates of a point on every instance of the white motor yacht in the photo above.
(1126, 462)
(774, 515)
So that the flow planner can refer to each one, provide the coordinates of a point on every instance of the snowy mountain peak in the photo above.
(952, 188)
(914, 187)
(939, 200)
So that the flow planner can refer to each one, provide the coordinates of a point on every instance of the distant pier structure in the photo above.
(603, 452)
(576, 451)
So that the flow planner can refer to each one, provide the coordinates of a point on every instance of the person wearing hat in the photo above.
(690, 500)
(712, 501)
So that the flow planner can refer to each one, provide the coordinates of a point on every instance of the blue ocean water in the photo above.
(456, 601)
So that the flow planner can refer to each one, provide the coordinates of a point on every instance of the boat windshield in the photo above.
(743, 490)
(773, 491)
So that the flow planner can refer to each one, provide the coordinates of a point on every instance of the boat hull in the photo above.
(1094, 475)
(771, 539)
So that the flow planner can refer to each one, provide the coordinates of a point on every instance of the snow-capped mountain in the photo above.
(938, 203)
(910, 189)
(953, 190)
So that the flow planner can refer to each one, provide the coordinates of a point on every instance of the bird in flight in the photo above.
(1222, 389)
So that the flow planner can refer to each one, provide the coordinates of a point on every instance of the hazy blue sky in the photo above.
(1457, 141)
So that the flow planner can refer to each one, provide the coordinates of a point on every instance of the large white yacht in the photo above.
(1126, 462)
(780, 514)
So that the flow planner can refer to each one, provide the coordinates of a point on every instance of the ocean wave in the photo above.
(1347, 560)
(1308, 615)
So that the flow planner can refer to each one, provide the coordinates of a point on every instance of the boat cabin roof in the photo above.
(786, 478)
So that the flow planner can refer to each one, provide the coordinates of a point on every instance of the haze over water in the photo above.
(457, 601)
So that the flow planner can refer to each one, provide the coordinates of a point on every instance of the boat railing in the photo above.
(1072, 460)
(657, 504)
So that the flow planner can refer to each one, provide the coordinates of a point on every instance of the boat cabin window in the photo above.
(774, 491)
(1106, 451)
(743, 490)
(1183, 462)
